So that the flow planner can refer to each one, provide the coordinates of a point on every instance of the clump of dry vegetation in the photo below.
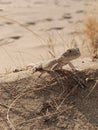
(91, 29)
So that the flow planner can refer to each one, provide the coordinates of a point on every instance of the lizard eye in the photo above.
(69, 51)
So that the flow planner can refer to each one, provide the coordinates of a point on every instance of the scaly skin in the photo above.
(59, 62)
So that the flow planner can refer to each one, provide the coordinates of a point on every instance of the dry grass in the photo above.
(51, 48)
(64, 45)
(91, 29)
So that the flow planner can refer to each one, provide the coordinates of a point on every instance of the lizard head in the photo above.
(71, 54)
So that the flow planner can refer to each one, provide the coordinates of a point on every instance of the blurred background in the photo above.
(30, 28)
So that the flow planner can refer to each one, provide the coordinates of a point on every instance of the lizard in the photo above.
(57, 63)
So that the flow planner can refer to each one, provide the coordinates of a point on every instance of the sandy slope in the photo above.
(55, 101)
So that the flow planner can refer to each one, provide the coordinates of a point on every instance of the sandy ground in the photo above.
(50, 101)
(55, 100)
(59, 20)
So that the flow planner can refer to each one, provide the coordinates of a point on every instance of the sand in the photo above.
(55, 100)
(50, 101)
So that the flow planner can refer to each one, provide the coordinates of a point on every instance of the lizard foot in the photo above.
(34, 67)
(31, 66)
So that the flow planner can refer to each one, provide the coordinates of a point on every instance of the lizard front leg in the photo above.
(72, 66)
(55, 66)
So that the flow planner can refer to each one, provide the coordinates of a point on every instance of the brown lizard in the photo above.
(59, 62)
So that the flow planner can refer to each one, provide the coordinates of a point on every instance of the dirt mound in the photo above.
(50, 101)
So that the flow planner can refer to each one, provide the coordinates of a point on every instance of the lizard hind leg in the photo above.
(34, 67)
